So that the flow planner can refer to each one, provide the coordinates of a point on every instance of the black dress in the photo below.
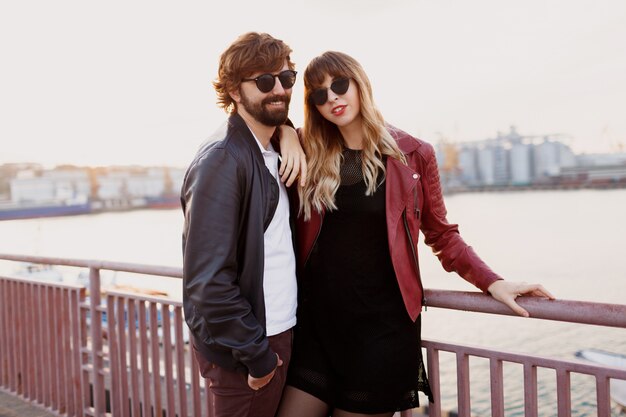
(355, 346)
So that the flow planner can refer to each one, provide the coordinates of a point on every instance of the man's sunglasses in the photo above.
(265, 82)
(319, 96)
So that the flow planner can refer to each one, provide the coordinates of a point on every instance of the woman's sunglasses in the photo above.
(339, 87)
(265, 82)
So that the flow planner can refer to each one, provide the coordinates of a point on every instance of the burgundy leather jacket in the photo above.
(414, 202)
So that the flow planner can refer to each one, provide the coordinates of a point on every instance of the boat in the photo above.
(602, 357)
(20, 211)
(169, 201)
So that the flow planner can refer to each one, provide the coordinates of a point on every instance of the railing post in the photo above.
(97, 355)
(434, 410)
(463, 384)
(603, 389)
(497, 388)
(79, 337)
(531, 406)
(563, 393)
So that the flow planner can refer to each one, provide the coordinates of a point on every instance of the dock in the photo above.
(12, 406)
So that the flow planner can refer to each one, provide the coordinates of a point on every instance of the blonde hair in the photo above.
(322, 140)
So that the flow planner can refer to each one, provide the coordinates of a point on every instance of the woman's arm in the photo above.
(456, 255)
(293, 160)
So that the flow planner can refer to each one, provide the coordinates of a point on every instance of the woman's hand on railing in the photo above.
(293, 160)
(506, 292)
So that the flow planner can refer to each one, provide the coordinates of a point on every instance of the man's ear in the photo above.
(235, 95)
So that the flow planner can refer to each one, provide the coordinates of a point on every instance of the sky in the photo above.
(129, 82)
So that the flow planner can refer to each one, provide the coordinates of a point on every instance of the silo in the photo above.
(521, 164)
(486, 165)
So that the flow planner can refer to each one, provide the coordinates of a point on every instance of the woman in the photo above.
(371, 188)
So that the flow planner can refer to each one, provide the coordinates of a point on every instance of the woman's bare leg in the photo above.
(297, 403)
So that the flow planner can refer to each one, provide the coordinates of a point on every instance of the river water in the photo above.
(570, 241)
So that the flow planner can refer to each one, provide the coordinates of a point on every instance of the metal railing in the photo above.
(72, 352)
(612, 315)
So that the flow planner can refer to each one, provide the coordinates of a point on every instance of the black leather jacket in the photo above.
(229, 198)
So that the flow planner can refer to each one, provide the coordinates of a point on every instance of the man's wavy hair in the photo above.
(250, 53)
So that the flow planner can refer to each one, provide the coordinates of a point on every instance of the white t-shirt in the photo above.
(279, 274)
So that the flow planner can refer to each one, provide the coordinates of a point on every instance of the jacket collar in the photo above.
(406, 142)
(236, 122)
(404, 177)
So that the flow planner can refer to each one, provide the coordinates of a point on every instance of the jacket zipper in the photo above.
(414, 252)
(415, 205)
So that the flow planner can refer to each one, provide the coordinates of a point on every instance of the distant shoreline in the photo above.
(25, 213)
(61, 210)
(537, 187)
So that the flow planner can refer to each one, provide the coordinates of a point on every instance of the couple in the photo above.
(353, 226)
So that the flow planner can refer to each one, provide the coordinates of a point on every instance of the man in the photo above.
(238, 259)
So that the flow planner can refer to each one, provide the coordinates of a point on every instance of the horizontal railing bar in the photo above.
(140, 297)
(600, 314)
(526, 359)
(165, 271)
(47, 284)
(603, 314)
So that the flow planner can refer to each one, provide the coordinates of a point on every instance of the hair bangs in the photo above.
(330, 63)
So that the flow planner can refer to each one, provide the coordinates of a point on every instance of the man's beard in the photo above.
(264, 116)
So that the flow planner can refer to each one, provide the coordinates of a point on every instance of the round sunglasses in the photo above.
(265, 82)
(319, 96)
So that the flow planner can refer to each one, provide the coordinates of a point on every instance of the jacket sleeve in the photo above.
(444, 238)
(212, 196)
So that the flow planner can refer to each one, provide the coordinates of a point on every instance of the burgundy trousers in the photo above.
(230, 395)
